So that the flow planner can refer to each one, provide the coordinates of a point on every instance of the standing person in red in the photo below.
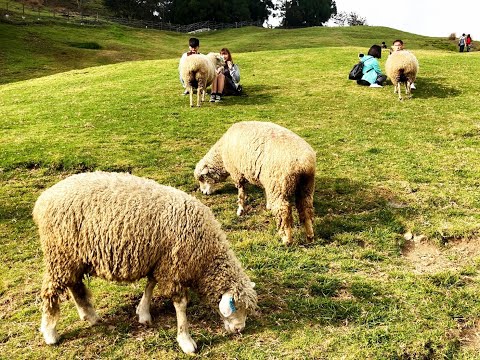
(468, 42)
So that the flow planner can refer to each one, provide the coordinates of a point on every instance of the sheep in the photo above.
(402, 67)
(270, 156)
(120, 227)
(199, 71)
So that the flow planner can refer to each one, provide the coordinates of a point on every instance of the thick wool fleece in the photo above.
(265, 154)
(121, 227)
(401, 66)
(198, 70)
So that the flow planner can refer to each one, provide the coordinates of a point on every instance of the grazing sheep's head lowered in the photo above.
(234, 311)
(207, 177)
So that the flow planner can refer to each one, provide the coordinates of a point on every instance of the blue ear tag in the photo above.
(232, 305)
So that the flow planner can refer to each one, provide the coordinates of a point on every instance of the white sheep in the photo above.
(270, 156)
(123, 228)
(402, 67)
(198, 71)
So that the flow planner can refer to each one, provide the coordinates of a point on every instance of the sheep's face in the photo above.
(207, 178)
(234, 314)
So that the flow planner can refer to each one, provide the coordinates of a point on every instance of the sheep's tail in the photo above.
(304, 192)
(192, 79)
(401, 76)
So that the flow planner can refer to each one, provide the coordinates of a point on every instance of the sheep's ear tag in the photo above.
(227, 305)
(204, 171)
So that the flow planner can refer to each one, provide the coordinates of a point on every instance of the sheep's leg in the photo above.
(190, 91)
(241, 198)
(399, 90)
(81, 296)
(304, 205)
(143, 308)
(185, 341)
(283, 212)
(50, 310)
(408, 89)
(199, 91)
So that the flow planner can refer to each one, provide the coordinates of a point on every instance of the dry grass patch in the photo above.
(427, 258)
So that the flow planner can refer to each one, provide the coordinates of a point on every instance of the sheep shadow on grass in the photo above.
(346, 206)
(252, 95)
(427, 88)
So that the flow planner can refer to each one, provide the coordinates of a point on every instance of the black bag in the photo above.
(357, 71)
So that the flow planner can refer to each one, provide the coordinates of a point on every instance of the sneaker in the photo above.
(213, 97)
(375, 85)
(218, 98)
(185, 92)
(412, 87)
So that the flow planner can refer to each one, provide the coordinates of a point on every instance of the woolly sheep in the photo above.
(121, 227)
(270, 156)
(198, 71)
(402, 67)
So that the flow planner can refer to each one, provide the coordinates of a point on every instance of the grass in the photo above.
(384, 167)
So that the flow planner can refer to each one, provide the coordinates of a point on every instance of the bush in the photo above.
(452, 36)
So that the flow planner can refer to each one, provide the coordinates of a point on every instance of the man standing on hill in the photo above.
(461, 43)
(193, 46)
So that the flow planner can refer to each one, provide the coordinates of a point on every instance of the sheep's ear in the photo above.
(253, 284)
(227, 305)
(204, 171)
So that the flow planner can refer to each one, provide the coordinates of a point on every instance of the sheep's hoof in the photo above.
(187, 344)
(240, 211)
(145, 319)
(50, 336)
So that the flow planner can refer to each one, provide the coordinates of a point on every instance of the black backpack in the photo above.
(357, 71)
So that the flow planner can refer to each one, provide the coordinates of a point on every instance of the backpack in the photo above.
(357, 71)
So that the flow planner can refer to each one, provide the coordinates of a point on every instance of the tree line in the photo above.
(294, 13)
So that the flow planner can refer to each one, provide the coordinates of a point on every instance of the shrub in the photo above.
(452, 36)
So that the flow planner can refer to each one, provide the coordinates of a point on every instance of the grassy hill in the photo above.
(393, 272)
(36, 50)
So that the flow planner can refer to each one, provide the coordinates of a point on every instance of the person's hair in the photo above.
(463, 34)
(399, 41)
(375, 51)
(194, 42)
(226, 51)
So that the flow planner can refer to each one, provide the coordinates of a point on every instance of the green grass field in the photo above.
(385, 169)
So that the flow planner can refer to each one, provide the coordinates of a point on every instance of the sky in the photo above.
(437, 18)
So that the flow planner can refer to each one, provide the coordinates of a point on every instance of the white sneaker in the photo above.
(375, 85)
(413, 86)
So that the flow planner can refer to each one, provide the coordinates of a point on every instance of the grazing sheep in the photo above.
(121, 227)
(268, 155)
(402, 67)
(198, 71)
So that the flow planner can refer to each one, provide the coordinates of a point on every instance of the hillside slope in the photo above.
(41, 49)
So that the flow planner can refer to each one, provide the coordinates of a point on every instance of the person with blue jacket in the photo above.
(372, 74)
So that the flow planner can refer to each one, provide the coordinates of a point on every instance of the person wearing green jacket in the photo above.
(372, 74)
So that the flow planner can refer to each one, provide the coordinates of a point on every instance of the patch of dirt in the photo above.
(470, 337)
(427, 258)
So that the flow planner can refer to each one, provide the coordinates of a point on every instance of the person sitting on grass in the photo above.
(227, 81)
(372, 74)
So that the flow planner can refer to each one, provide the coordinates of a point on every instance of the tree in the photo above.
(191, 11)
(139, 9)
(307, 12)
(343, 18)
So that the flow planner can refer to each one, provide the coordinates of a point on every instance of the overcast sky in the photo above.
(437, 18)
